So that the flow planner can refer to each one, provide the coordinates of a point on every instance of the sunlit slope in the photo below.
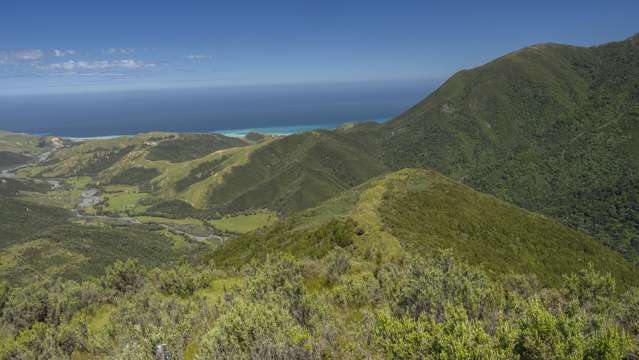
(221, 174)
(419, 212)
(17, 149)
(551, 128)
(297, 172)
(37, 240)
(154, 163)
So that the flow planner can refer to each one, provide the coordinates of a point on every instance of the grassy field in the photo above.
(127, 201)
(21, 144)
(67, 196)
(244, 223)
(163, 220)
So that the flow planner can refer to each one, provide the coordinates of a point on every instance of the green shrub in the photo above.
(249, 330)
(356, 290)
(337, 264)
(425, 287)
(589, 287)
(542, 335)
(124, 276)
(182, 280)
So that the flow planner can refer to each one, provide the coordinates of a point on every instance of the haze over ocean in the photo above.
(208, 109)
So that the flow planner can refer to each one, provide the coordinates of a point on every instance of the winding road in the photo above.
(91, 197)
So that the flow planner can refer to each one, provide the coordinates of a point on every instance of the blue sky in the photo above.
(78, 46)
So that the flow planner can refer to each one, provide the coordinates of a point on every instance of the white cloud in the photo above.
(62, 53)
(199, 57)
(112, 51)
(73, 65)
(21, 55)
(31, 55)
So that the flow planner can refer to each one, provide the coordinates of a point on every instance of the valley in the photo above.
(498, 218)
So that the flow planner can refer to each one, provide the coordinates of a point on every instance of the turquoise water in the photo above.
(269, 130)
(269, 109)
(282, 130)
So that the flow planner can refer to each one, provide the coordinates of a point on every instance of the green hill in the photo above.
(41, 240)
(220, 174)
(297, 172)
(185, 147)
(551, 128)
(483, 257)
(419, 212)
(367, 280)
(17, 149)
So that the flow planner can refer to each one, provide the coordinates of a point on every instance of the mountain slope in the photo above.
(17, 149)
(552, 128)
(38, 240)
(220, 174)
(419, 212)
(298, 172)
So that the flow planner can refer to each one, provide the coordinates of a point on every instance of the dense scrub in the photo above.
(135, 176)
(338, 307)
(10, 159)
(297, 172)
(191, 146)
(178, 209)
(551, 128)
(422, 211)
(21, 220)
(101, 159)
(200, 172)
(13, 187)
(78, 252)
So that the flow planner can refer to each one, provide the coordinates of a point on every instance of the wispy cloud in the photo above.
(123, 51)
(73, 65)
(21, 55)
(31, 55)
(198, 57)
(63, 53)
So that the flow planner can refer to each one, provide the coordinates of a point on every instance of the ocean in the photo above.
(277, 109)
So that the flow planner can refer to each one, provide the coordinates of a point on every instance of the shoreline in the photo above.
(266, 130)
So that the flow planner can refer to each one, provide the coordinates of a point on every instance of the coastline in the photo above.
(268, 130)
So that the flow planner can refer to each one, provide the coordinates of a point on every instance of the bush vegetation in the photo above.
(187, 147)
(347, 307)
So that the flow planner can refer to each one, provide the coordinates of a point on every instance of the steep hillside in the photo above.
(18, 149)
(187, 147)
(38, 239)
(92, 157)
(552, 128)
(220, 174)
(10, 159)
(298, 172)
(419, 212)
(22, 143)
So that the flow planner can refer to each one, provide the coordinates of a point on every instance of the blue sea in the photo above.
(281, 109)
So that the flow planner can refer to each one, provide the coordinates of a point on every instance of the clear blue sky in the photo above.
(67, 45)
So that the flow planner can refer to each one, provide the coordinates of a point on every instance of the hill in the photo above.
(118, 249)
(419, 212)
(298, 172)
(17, 149)
(41, 240)
(551, 128)
(215, 173)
